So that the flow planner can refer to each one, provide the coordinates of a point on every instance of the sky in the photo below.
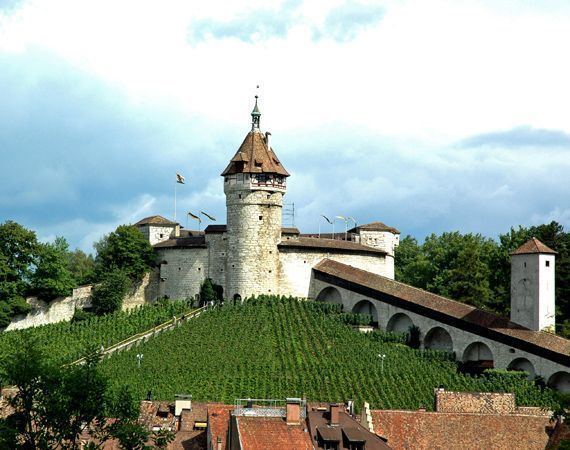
(427, 115)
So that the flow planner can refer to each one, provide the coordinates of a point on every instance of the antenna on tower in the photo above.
(289, 214)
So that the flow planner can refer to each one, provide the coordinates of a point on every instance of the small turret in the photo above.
(532, 286)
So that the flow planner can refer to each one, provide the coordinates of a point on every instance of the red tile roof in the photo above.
(449, 431)
(219, 422)
(264, 433)
(254, 156)
(445, 310)
(533, 245)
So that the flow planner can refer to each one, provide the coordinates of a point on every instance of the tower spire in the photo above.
(255, 116)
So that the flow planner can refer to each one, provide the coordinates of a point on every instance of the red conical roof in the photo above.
(254, 156)
(533, 245)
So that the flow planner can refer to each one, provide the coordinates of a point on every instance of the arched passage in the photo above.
(329, 295)
(523, 365)
(477, 357)
(366, 307)
(438, 339)
(560, 381)
(399, 323)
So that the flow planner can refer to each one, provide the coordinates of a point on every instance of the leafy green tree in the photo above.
(124, 249)
(130, 434)
(52, 277)
(18, 253)
(107, 296)
(207, 292)
(81, 266)
(162, 438)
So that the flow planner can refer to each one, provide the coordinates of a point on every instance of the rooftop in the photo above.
(262, 433)
(183, 242)
(155, 220)
(533, 245)
(445, 310)
(421, 430)
(329, 245)
(374, 226)
(255, 156)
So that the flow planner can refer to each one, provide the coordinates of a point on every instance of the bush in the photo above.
(107, 296)
(414, 337)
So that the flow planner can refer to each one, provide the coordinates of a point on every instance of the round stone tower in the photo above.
(254, 184)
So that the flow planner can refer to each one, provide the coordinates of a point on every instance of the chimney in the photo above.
(334, 413)
(293, 411)
(267, 136)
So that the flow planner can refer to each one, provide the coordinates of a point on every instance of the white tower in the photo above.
(254, 184)
(532, 286)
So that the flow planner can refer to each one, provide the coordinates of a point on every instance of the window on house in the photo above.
(161, 235)
(260, 217)
(547, 263)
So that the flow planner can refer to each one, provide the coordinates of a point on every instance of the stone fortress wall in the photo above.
(63, 308)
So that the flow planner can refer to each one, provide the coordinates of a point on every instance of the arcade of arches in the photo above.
(476, 356)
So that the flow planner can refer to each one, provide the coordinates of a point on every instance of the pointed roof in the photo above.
(255, 156)
(374, 226)
(533, 245)
(155, 220)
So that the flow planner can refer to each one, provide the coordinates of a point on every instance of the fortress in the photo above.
(253, 254)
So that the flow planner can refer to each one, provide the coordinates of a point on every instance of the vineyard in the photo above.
(277, 348)
(67, 341)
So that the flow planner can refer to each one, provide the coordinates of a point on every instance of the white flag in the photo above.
(179, 178)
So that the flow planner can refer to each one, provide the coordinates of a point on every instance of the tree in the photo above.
(54, 406)
(130, 434)
(107, 296)
(52, 277)
(207, 292)
(18, 253)
(81, 266)
(125, 249)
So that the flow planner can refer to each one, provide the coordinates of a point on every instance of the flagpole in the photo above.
(175, 183)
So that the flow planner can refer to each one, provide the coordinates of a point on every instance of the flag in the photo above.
(179, 178)
(194, 217)
(341, 218)
(208, 216)
(326, 218)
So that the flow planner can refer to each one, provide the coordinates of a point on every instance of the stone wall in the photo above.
(474, 402)
(183, 272)
(58, 310)
(217, 258)
(63, 309)
(253, 231)
(295, 267)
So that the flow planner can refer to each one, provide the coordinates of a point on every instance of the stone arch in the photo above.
(399, 323)
(438, 339)
(477, 357)
(523, 365)
(330, 295)
(560, 381)
(366, 307)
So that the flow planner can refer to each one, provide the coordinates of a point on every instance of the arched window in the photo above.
(438, 339)
(523, 365)
(329, 295)
(399, 323)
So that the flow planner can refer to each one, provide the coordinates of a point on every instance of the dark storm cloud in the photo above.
(523, 136)
(259, 24)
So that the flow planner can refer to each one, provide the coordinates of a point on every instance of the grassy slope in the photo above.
(277, 348)
(67, 341)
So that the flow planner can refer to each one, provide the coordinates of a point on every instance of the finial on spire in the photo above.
(255, 115)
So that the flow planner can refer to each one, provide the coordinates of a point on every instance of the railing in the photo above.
(258, 407)
(145, 335)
